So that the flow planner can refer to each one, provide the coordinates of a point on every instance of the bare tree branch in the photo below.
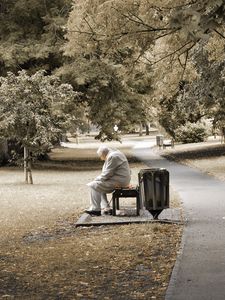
(121, 34)
(86, 32)
(167, 33)
(139, 21)
(174, 7)
(185, 64)
(168, 55)
(219, 33)
(188, 49)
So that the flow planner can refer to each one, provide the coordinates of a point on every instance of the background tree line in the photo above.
(177, 45)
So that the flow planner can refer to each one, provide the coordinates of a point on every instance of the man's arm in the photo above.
(112, 163)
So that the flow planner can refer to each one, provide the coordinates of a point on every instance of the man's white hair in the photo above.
(103, 150)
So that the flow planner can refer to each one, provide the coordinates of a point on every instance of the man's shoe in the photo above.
(93, 212)
(107, 211)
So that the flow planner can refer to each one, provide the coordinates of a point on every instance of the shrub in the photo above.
(191, 133)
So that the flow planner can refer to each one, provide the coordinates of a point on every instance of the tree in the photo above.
(32, 34)
(106, 27)
(182, 108)
(35, 110)
(109, 100)
(165, 35)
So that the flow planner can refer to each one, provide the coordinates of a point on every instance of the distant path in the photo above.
(199, 272)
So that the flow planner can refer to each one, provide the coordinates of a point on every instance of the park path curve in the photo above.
(199, 272)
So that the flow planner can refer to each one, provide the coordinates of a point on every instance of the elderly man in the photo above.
(115, 173)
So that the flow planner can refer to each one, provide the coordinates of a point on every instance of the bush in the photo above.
(191, 133)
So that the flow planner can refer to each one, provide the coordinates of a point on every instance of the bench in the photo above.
(128, 192)
(168, 143)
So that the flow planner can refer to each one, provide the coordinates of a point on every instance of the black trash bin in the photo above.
(154, 190)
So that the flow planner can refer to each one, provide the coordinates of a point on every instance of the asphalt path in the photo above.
(199, 272)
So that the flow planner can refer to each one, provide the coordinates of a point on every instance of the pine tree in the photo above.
(32, 34)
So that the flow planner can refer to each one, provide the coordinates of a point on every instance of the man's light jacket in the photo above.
(115, 173)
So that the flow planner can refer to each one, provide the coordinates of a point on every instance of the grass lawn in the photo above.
(43, 255)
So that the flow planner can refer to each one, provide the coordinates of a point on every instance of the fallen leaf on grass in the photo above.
(84, 283)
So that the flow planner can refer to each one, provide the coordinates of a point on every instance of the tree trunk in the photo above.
(140, 129)
(147, 129)
(27, 166)
(29, 170)
(3, 151)
(77, 136)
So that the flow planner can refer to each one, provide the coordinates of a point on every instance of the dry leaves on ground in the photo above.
(120, 262)
(63, 262)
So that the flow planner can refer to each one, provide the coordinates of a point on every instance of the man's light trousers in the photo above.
(98, 200)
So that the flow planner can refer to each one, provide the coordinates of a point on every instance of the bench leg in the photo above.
(114, 200)
(117, 203)
(138, 205)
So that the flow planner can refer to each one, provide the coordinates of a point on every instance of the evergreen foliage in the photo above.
(32, 34)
